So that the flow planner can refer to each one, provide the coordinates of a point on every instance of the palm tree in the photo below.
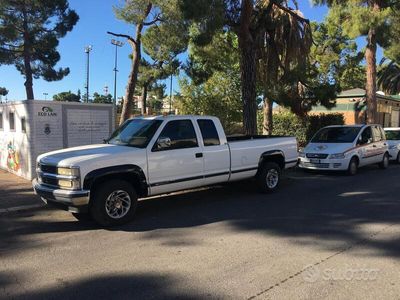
(389, 77)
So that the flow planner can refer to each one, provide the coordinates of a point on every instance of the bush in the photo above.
(287, 123)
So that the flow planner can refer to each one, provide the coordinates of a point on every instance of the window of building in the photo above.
(23, 124)
(209, 132)
(11, 119)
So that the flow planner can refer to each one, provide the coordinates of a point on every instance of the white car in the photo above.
(157, 155)
(346, 148)
(393, 140)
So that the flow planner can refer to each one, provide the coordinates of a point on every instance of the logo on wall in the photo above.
(13, 158)
(47, 112)
(47, 130)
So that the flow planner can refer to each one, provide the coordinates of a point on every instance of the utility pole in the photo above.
(170, 96)
(87, 51)
(117, 44)
(45, 95)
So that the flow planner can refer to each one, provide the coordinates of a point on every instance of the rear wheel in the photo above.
(269, 177)
(353, 167)
(114, 203)
(385, 162)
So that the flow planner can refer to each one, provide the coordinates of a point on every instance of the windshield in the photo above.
(135, 133)
(392, 135)
(336, 135)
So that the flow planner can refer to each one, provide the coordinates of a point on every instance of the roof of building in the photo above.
(357, 92)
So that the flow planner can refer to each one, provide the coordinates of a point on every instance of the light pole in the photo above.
(87, 51)
(117, 44)
(170, 96)
(45, 95)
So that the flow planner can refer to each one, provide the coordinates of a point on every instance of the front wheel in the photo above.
(269, 177)
(398, 158)
(353, 167)
(114, 203)
(384, 164)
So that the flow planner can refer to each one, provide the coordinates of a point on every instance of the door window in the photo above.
(180, 134)
(377, 134)
(209, 132)
(366, 137)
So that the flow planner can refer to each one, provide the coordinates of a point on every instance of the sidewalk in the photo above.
(16, 192)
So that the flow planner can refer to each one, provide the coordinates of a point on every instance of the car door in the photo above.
(175, 160)
(216, 153)
(366, 148)
(379, 143)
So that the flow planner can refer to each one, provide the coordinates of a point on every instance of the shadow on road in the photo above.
(325, 211)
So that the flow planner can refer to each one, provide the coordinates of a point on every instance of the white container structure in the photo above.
(32, 127)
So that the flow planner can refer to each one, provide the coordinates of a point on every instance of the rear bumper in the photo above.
(74, 201)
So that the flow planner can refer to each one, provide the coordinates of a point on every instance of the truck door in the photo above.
(216, 153)
(175, 161)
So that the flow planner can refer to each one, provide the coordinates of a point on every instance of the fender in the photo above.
(125, 170)
(274, 153)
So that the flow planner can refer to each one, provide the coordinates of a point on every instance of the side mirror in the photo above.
(163, 143)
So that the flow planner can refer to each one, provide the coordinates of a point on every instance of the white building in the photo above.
(30, 128)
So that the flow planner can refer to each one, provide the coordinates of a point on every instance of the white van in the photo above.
(393, 140)
(346, 148)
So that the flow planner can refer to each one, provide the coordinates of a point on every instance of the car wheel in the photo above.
(353, 167)
(114, 203)
(385, 162)
(82, 216)
(269, 177)
(398, 158)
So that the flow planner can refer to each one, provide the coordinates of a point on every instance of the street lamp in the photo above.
(45, 95)
(87, 51)
(117, 44)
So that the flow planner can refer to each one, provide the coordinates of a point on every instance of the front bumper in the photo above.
(324, 164)
(74, 201)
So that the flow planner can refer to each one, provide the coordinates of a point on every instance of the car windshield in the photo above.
(135, 133)
(336, 135)
(392, 135)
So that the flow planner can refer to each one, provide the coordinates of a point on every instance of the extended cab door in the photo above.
(175, 160)
(215, 151)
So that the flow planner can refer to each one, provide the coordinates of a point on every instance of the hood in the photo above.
(77, 156)
(327, 148)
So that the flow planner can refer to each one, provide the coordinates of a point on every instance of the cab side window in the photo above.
(181, 134)
(366, 137)
(209, 132)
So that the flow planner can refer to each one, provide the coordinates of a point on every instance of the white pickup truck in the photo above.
(149, 156)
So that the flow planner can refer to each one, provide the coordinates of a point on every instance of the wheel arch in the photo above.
(133, 174)
(276, 156)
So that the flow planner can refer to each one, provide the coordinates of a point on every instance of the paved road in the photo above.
(320, 236)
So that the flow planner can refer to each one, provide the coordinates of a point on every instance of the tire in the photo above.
(269, 177)
(384, 164)
(83, 217)
(398, 158)
(353, 167)
(114, 203)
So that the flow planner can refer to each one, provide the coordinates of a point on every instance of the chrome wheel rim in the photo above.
(272, 178)
(118, 204)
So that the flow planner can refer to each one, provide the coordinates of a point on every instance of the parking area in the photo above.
(320, 236)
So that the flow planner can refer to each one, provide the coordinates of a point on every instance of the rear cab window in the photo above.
(208, 132)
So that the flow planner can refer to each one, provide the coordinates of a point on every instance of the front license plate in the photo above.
(315, 161)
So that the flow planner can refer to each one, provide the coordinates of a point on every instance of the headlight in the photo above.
(69, 183)
(337, 156)
(68, 171)
(302, 154)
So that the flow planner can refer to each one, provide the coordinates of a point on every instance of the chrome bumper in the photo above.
(67, 198)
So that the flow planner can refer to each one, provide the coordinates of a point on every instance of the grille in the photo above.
(48, 169)
(317, 155)
(50, 181)
(313, 165)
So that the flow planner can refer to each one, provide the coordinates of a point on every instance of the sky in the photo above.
(96, 18)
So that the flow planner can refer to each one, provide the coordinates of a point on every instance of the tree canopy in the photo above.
(29, 34)
(67, 97)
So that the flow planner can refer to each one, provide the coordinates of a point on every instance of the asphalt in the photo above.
(320, 236)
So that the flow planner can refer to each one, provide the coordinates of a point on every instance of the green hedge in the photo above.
(287, 123)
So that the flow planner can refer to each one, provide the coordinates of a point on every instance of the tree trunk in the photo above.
(370, 87)
(27, 59)
(144, 99)
(133, 75)
(248, 68)
(268, 117)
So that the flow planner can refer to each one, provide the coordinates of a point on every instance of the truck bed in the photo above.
(235, 138)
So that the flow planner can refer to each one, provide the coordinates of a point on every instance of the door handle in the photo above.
(198, 155)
